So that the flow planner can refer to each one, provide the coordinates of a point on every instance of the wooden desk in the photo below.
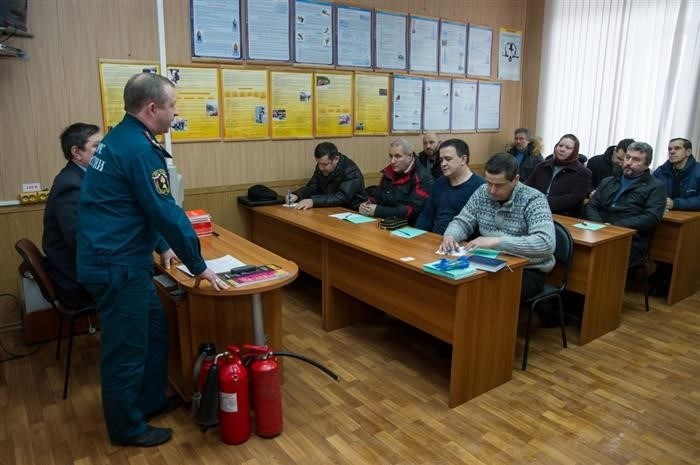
(598, 271)
(360, 264)
(226, 317)
(675, 242)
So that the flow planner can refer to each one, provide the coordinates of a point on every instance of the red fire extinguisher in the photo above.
(234, 403)
(267, 387)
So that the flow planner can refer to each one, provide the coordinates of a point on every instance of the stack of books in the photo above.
(201, 221)
(247, 275)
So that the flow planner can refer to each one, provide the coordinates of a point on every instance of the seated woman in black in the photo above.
(562, 178)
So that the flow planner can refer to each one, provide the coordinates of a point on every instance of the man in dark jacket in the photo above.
(527, 150)
(681, 177)
(430, 156)
(609, 163)
(634, 199)
(337, 181)
(404, 188)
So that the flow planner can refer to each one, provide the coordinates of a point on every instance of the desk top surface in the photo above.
(592, 238)
(224, 242)
(680, 216)
(369, 238)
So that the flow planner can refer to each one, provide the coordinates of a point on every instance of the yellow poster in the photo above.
(197, 103)
(371, 104)
(290, 108)
(333, 104)
(245, 103)
(113, 78)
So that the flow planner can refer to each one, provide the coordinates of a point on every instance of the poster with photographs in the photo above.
(197, 104)
(333, 104)
(291, 105)
(313, 32)
(371, 104)
(113, 78)
(245, 102)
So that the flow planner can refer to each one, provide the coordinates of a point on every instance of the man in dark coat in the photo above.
(527, 150)
(609, 163)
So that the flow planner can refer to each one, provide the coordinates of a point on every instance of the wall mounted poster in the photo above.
(371, 104)
(390, 40)
(479, 51)
(268, 29)
(245, 102)
(463, 105)
(489, 107)
(407, 109)
(290, 106)
(113, 78)
(333, 104)
(509, 54)
(197, 104)
(354, 33)
(436, 105)
(216, 29)
(453, 47)
(424, 44)
(313, 32)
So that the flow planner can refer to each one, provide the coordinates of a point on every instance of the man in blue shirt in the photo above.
(127, 212)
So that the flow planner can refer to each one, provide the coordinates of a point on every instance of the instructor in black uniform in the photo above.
(126, 212)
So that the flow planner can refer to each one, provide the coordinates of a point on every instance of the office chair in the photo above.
(33, 261)
(563, 252)
(641, 263)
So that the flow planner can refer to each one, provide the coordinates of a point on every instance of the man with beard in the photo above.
(429, 157)
(609, 163)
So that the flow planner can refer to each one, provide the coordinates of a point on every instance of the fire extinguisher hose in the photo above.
(309, 361)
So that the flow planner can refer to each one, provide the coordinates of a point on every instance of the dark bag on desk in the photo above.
(259, 195)
(393, 222)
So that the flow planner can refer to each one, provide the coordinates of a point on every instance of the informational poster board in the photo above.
(390, 40)
(463, 105)
(113, 78)
(509, 54)
(245, 104)
(424, 44)
(268, 30)
(489, 107)
(354, 36)
(436, 104)
(371, 104)
(333, 104)
(313, 32)
(479, 51)
(197, 104)
(453, 47)
(291, 106)
(216, 29)
(407, 103)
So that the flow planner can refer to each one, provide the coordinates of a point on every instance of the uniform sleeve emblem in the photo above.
(160, 181)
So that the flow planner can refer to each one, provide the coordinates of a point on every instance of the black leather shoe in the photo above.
(153, 436)
(172, 402)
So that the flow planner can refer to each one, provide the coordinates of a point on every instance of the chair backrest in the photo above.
(33, 260)
(563, 251)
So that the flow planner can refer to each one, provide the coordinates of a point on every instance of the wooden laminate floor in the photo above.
(630, 397)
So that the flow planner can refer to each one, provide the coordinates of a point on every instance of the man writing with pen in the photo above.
(510, 217)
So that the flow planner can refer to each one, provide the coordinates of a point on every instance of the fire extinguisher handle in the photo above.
(309, 361)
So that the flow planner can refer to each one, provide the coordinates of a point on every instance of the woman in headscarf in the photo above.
(562, 178)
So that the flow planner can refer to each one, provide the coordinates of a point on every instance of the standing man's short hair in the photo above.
(461, 147)
(686, 143)
(642, 147)
(76, 135)
(143, 88)
(503, 163)
(405, 145)
(326, 148)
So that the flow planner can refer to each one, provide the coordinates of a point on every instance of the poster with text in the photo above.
(463, 105)
(113, 78)
(407, 103)
(436, 105)
(488, 112)
(424, 44)
(479, 51)
(197, 103)
(333, 104)
(453, 47)
(354, 26)
(313, 32)
(216, 29)
(291, 108)
(268, 30)
(509, 54)
(371, 104)
(390, 40)
(245, 101)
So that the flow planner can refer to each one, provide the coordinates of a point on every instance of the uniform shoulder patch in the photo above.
(160, 181)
